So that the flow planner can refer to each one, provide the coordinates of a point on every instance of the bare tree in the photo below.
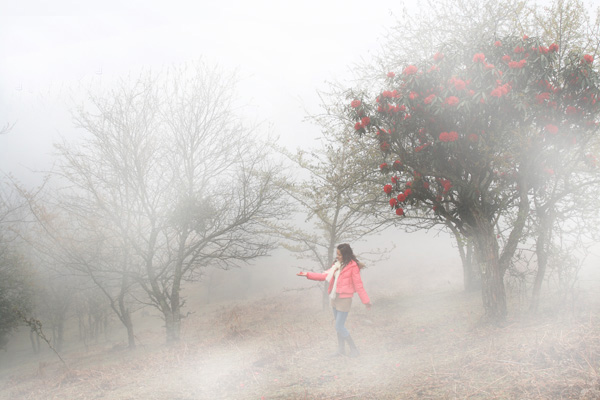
(334, 193)
(177, 179)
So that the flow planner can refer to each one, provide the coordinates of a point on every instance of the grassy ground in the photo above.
(426, 346)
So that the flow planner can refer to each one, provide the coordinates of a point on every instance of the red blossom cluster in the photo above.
(517, 64)
(479, 58)
(429, 99)
(452, 101)
(448, 136)
(458, 84)
(553, 129)
(355, 103)
(446, 184)
(422, 147)
(410, 70)
(540, 98)
(390, 94)
(501, 90)
(363, 123)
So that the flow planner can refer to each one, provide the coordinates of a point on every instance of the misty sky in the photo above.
(284, 52)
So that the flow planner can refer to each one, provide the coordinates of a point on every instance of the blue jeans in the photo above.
(340, 320)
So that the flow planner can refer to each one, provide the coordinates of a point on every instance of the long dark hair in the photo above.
(348, 255)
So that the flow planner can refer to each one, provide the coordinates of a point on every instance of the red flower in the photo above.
(479, 57)
(438, 57)
(385, 146)
(397, 165)
(365, 121)
(571, 110)
(358, 126)
(387, 189)
(391, 74)
(459, 84)
(399, 211)
(553, 47)
(426, 185)
(446, 184)
(452, 101)
(588, 58)
(525, 37)
(393, 202)
(355, 103)
(413, 95)
(498, 43)
(448, 136)
(506, 58)
(553, 129)
(383, 167)
(540, 98)
(429, 99)
(394, 179)
(408, 192)
(517, 64)
(401, 197)
(500, 90)
(410, 70)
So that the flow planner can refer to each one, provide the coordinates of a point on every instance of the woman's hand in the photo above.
(368, 305)
(301, 273)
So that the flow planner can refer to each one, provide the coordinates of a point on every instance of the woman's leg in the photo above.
(340, 321)
(343, 334)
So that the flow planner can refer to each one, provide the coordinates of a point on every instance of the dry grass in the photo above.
(413, 347)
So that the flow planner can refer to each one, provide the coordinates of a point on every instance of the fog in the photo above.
(258, 330)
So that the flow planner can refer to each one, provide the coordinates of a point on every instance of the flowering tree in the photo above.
(467, 134)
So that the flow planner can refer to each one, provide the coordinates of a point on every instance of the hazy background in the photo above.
(52, 52)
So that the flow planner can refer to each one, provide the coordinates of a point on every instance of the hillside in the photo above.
(415, 346)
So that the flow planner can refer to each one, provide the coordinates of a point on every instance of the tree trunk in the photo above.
(35, 341)
(471, 275)
(126, 320)
(173, 325)
(541, 251)
(471, 271)
(492, 280)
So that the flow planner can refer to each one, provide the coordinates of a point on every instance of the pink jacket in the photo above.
(349, 282)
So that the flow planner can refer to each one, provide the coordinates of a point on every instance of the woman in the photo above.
(344, 279)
